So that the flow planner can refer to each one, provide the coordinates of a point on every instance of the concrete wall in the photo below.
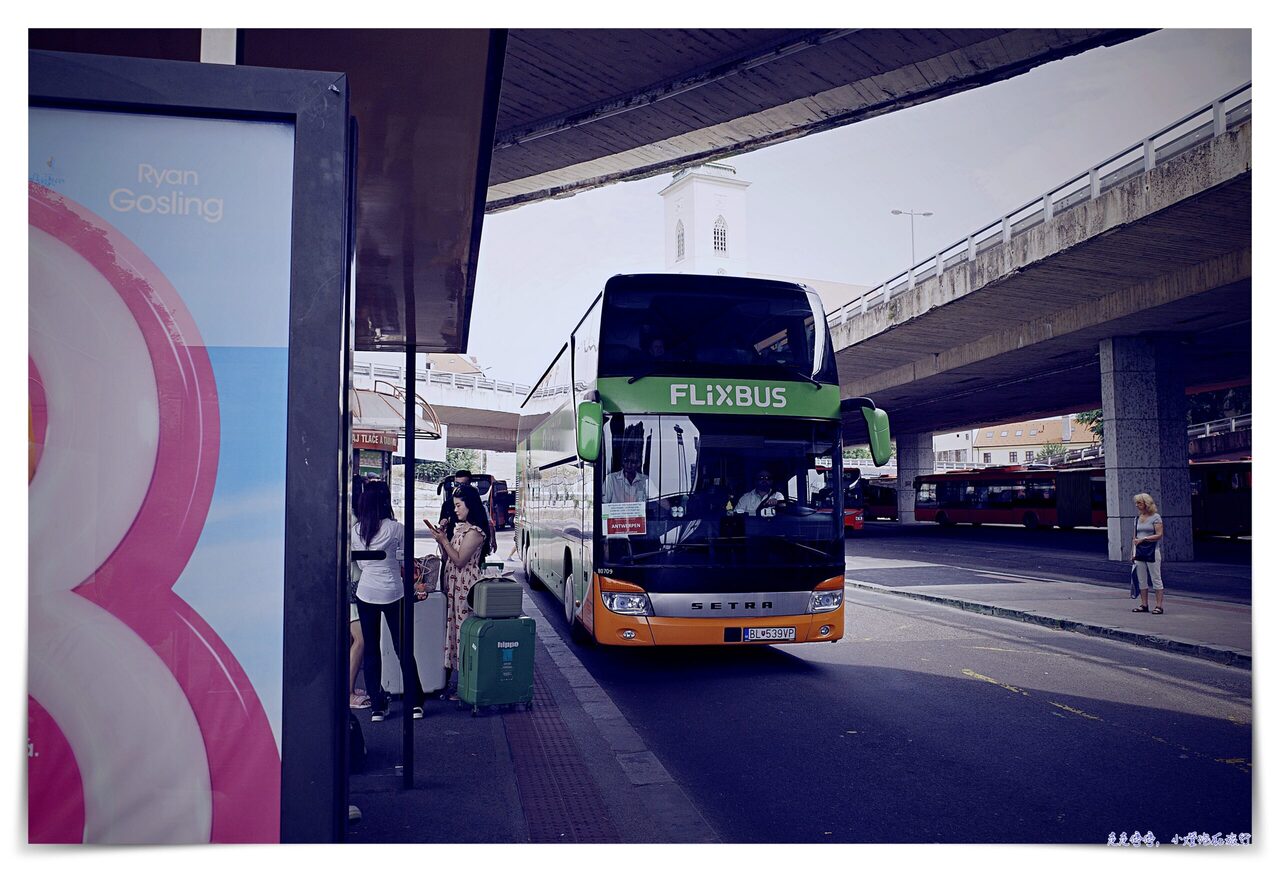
(915, 457)
(1144, 413)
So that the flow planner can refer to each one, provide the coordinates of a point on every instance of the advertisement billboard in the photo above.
(159, 294)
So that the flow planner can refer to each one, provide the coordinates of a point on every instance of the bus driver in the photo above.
(629, 485)
(762, 495)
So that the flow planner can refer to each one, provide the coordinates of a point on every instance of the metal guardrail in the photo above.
(1195, 431)
(1222, 425)
(1213, 119)
(436, 377)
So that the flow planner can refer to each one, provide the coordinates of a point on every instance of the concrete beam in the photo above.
(1215, 163)
(482, 438)
(1114, 309)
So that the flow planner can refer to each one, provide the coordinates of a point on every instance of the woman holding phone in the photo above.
(462, 553)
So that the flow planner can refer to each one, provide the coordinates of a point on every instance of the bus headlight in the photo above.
(626, 603)
(825, 601)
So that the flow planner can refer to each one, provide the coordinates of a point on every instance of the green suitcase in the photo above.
(496, 665)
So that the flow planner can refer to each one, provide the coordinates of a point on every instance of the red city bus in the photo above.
(853, 494)
(880, 498)
(1063, 498)
(1221, 498)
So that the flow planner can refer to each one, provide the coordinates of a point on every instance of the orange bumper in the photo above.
(610, 628)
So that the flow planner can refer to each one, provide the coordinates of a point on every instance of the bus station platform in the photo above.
(572, 770)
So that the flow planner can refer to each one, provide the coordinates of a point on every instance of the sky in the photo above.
(819, 207)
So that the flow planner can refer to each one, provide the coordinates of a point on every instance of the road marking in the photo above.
(987, 574)
(1076, 711)
(990, 680)
(1015, 650)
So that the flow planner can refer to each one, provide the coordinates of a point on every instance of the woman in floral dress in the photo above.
(462, 554)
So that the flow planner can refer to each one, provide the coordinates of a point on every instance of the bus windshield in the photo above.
(698, 332)
(701, 490)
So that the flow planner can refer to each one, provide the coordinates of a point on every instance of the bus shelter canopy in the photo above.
(375, 410)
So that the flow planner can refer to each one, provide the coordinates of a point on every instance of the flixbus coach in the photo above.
(667, 464)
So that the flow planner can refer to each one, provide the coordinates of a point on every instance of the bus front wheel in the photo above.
(1030, 521)
(577, 632)
(943, 519)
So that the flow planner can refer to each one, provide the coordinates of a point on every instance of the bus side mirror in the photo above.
(590, 427)
(877, 427)
(878, 430)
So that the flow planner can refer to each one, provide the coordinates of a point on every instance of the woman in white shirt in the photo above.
(380, 591)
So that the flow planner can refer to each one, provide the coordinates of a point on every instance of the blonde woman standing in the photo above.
(1148, 529)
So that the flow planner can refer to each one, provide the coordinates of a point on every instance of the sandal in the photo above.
(1140, 609)
(360, 701)
(1157, 611)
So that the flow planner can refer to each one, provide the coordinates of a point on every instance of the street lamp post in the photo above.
(913, 233)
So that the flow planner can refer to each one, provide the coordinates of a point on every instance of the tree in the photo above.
(454, 459)
(1216, 405)
(1051, 452)
(1091, 421)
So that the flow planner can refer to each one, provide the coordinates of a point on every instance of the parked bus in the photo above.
(502, 508)
(493, 496)
(665, 462)
(821, 485)
(1221, 498)
(1064, 498)
(880, 498)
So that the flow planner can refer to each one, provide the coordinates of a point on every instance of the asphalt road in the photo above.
(1223, 569)
(929, 724)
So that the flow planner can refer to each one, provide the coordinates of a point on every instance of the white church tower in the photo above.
(706, 221)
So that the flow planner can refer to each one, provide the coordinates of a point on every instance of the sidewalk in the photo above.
(570, 770)
(1197, 625)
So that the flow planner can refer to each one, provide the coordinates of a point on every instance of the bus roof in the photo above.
(705, 283)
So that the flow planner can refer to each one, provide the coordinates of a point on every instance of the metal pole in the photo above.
(913, 239)
(408, 665)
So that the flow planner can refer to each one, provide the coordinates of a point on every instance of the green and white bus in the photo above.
(672, 465)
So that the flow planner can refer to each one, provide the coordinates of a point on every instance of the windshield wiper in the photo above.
(667, 550)
(636, 378)
(783, 368)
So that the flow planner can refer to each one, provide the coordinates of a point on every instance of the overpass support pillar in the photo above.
(915, 457)
(1144, 414)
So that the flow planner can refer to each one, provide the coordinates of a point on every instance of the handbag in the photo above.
(353, 580)
(1133, 582)
(426, 571)
(1143, 551)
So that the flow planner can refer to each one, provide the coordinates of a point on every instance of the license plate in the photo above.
(769, 634)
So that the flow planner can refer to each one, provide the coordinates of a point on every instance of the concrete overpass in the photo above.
(480, 413)
(1127, 286)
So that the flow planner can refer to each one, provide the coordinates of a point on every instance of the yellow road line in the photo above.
(1075, 711)
(990, 680)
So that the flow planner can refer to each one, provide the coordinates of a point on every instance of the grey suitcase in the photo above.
(496, 598)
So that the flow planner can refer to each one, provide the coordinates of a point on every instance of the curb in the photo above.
(1225, 656)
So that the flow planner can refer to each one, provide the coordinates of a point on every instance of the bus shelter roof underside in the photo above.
(571, 110)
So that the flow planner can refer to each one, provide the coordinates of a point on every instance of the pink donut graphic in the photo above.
(149, 646)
